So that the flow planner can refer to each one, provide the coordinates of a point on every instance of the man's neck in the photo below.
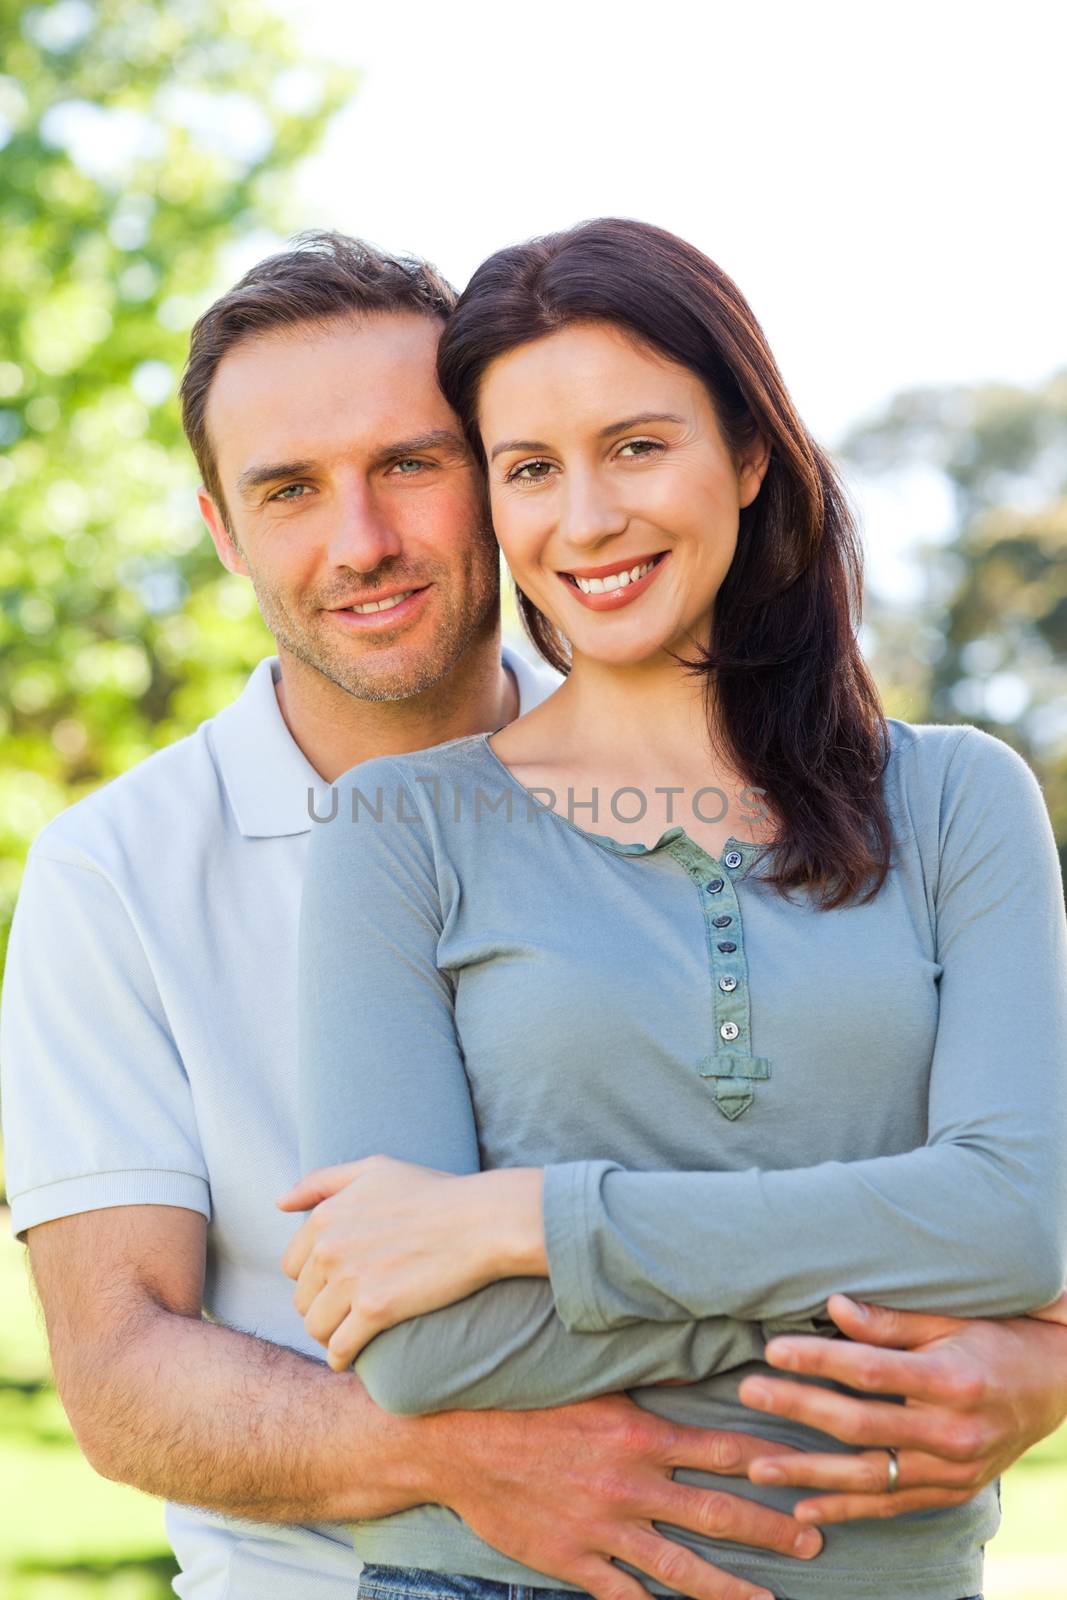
(335, 730)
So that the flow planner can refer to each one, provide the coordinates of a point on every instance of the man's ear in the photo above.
(755, 459)
(221, 538)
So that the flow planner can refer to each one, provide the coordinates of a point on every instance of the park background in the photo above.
(885, 183)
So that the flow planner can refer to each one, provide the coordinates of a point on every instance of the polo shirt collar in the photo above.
(265, 773)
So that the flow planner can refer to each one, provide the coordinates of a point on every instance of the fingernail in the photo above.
(781, 1354)
(807, 1514)
(769, 1474)
(808, 1543)
(757, 1393)
(729, 1454)
(859, 1308)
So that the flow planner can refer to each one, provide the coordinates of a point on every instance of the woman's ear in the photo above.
(754, 460)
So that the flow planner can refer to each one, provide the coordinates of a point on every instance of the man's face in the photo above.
(348, 482)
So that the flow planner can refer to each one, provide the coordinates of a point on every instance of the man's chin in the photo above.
(396, 674)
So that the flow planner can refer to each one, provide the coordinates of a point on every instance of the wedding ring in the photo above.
(894, 1471)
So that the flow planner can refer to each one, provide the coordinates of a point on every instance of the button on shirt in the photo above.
(871, 1099)
(150, 1041)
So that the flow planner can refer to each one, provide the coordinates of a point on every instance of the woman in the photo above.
(745, 992)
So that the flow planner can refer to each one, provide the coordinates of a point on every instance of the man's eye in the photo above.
(640, 447)
(530, 472)
(292, 491)
(409, 467)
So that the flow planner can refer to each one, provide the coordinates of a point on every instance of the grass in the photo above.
(66, 1534)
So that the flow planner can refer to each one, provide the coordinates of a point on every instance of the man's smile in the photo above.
(381, 612)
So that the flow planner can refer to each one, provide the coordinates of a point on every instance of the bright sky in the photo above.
(884, 182)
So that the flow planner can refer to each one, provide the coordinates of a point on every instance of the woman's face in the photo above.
(615, 497)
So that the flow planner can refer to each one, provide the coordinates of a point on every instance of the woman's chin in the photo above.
(636, 645)
(635, 651)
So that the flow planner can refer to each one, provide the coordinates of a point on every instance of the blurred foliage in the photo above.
(143, 141)
(988, 643)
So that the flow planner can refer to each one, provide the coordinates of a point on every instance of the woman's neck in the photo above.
(643, 730)
(655, 707)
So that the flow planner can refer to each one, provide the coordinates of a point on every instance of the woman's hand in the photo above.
(387, 1240)
(978, 1394)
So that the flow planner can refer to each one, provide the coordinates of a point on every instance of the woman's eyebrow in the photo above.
(638, 421)
(517, 444)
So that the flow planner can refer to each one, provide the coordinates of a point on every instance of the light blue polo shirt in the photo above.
(149, 1048)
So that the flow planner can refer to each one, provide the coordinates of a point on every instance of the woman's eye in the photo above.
(640, 448)
(292, 491)
(530, 472)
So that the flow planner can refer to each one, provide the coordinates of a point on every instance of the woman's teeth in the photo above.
(382, 605)
(615, 580)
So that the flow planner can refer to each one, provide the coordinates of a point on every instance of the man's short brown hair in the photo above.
(322, 275)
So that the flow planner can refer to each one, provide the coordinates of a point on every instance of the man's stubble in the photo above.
(467, 605)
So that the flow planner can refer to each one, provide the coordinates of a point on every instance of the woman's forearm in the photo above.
(628, 1246)
(397, 1247)
(944, 1228)
(505, 1347)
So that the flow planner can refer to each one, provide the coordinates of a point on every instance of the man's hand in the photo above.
(978, 1394)
(1056, 1312)
(571, 1490)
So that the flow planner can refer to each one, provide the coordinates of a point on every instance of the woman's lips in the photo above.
(614, 599)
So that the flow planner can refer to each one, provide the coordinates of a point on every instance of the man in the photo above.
(150, 1043)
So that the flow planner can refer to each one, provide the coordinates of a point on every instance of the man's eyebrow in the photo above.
(274, 471)
(271, 472)
(638, 421)
(437, 439)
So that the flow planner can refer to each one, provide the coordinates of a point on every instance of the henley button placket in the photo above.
(730, 1066)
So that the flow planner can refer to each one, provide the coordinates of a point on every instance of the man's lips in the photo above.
(379, 621)
(376, 596)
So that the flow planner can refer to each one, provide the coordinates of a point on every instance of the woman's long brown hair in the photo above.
(794, 702)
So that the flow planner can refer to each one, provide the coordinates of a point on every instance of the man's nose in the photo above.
(361, 534)
(590, 511)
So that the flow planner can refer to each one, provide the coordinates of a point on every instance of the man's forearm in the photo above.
(208, 1416)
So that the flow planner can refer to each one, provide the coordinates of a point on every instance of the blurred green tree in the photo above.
(144, 144)
(988, 643)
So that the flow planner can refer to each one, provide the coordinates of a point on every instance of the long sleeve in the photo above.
(974, 1222)
(382, 1072)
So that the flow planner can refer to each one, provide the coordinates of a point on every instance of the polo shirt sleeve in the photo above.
(974, 1222)
(96, 1105)
(382, 1073)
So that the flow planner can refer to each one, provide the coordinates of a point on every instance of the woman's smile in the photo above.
(609, 587)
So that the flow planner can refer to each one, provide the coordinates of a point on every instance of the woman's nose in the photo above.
(590, 513)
